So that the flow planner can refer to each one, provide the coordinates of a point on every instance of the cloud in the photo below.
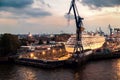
(15, 3)
(26, 12)
(40, 4)
(93, 4)
(48, 5)
(20, 9)
(69, 17)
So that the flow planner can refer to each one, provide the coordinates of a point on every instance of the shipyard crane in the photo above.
(100, 31)
(78, 20)
(110, 29)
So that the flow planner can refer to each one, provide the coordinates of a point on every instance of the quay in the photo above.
(104, 56)
(82, 59)
(58, 57)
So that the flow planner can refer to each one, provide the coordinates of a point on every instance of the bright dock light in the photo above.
(32, 55)
(43, 52)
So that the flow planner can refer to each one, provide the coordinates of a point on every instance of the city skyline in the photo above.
(49, 16)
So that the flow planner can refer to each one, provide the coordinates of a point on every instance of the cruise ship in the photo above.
(89, 41)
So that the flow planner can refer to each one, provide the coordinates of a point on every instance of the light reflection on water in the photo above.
(118, 69)
(99, 70)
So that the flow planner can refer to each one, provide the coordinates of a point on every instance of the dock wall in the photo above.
(79, 61)
(96, 57)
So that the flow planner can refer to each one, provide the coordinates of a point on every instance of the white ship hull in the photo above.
(88, 42)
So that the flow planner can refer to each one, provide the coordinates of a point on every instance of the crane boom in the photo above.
(78, 21)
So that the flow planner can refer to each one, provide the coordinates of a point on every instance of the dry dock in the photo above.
(58, 59)
(79, 60)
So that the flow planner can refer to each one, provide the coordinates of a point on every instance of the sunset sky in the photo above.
(49, 16)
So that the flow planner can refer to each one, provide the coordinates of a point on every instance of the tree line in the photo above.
(9, 44)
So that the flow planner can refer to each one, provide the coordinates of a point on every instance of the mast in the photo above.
(78, 20)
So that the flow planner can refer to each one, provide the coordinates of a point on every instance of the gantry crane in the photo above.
(78, 20)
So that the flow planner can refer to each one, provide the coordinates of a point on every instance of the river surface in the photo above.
(98, 70)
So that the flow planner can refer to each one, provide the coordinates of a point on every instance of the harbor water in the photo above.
(97, 70)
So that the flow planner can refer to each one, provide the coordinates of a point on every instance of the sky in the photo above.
(49, 16)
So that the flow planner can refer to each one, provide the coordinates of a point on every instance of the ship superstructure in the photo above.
(89, 41)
